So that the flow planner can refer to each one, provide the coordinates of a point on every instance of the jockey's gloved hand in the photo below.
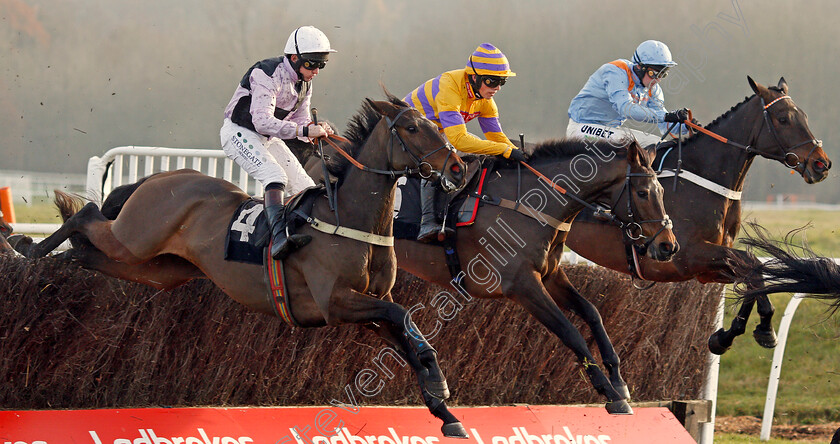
(517, 155)
(316, 131)
(679, 115)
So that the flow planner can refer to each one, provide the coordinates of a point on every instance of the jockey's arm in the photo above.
(263, 102)
(455, 129)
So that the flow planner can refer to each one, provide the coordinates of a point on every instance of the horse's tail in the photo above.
(68, 204)
(788, 270)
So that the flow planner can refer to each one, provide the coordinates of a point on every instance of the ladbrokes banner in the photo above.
(344, 424)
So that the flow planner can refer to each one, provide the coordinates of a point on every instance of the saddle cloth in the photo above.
(247, 233)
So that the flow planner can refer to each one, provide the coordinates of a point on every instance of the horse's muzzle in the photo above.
(452, 178)
(663, 251)
(816, 170)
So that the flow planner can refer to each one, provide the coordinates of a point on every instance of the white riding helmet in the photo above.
(307, 40)
(653, 52)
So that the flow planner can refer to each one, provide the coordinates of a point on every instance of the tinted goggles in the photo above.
(313, 64)
(657, 72)
(493, 81)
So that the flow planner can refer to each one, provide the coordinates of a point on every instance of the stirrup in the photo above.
(289, 244)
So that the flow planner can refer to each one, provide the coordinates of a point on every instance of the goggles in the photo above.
(313, 64)
(657, 72)
(493, 81)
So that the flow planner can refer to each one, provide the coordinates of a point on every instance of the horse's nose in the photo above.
(457, 171)
(822, 167)
(668, 249)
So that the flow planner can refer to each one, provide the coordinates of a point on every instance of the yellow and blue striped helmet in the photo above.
(487, 60)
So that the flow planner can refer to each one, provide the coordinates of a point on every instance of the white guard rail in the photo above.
(126, 164)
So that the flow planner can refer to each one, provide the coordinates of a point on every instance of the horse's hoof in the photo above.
(715, 345)
(620, 407)
(438, 389)
(454, 430)
(623, 391)
(765, 338)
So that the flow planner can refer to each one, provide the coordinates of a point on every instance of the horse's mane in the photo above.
(359, 128)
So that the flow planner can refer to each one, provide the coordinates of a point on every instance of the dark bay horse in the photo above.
(171, 227)
(707, 216)
(511, 254)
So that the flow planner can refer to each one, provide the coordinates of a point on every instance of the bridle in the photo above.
(786, 152)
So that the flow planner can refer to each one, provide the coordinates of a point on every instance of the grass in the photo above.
(734, 438)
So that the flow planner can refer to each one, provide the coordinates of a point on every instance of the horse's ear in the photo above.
(384, 108)
(757, 87)
(783, 85)
(633, 155)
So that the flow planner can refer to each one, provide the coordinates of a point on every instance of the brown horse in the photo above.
(516, 254)
(707, 216)
(170, 227)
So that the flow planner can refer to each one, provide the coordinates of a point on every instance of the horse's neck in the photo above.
(366, 200)
(722, 163)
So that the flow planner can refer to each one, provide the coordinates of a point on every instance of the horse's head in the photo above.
(640, 208)
(423, 149)
(784, 133)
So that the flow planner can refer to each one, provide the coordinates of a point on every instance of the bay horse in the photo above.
(515, 253)
(171, 227)
(705, 203)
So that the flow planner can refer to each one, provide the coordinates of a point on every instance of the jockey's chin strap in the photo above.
(632, 231)
(788, 158)
(421, 166)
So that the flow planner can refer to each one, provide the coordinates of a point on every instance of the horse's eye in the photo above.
(642, 194)
(412, 129)
(783, 120)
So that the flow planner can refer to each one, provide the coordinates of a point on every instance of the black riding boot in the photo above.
(283, 244)
(430, 228)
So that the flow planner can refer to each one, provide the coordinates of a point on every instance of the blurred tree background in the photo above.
(81, 76)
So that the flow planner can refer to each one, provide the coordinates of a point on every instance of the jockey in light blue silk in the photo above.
(625, 89)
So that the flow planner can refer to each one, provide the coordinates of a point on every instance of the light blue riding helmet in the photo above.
(653, 52)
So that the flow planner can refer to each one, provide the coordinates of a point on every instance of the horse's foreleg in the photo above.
(349, 306)
(533, 296)
(565, 295)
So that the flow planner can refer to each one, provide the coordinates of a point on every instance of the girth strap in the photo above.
(350, 233)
